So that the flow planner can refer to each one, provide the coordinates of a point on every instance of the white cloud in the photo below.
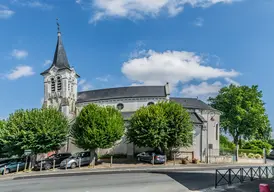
(78, 1)
(231, 81)
(203, 89)
(20, 71)
(138, 9)
(32, 4)
(84, 85)
(103, 79)
(199, 22)
(5, 12)
(154, 68)
(19, 54)
(47, 62)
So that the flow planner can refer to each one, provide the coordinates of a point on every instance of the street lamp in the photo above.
(211, 114)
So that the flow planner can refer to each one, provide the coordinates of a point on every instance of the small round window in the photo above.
(120, 106)
(150, 103)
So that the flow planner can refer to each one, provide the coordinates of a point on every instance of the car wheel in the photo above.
(73, 166)
(47, 166)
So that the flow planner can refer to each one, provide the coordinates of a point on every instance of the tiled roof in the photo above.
(192, 103)
(121, 92)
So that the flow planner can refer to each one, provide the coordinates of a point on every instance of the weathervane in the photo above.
(58, 25)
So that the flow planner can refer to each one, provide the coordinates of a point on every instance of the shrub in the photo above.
(185, 161)
(248, 151)
(257, 145)
(195, 161)
(258, 156)
(243, 155)
(226, 144)
(251, 155)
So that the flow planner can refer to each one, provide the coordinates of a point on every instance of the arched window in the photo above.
(52, 85)
(120, 106)
(150, 103)
(59, 84)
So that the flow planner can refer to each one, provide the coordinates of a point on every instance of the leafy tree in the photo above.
(243, 112)
(226, 144)
(257, 145)
(164, 126)
(271, 142)
(3, 150)
(40, 130)
(97, 127)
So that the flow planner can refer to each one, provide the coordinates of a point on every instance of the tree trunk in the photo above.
(236, 142)
(92, 157)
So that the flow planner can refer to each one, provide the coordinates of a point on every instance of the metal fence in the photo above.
(239, 175)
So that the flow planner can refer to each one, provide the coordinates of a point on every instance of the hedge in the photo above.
(248, 151)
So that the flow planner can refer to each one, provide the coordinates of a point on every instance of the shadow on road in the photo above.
(192, 180)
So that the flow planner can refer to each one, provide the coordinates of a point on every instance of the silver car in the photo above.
(82, 158)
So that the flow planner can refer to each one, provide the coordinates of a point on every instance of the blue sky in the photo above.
(196, 45)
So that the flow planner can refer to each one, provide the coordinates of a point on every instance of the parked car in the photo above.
(11, 166)
(74, 160)
(48, 162)
(3, 162)
(147, 156)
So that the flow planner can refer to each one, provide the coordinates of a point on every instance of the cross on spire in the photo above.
(58, 25)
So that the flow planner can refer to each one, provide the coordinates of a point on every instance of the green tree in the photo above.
(3, 151)
(226, 144)
(97, 127)
(271, 142)
(165, 125)
(243, 112)
(40, 130)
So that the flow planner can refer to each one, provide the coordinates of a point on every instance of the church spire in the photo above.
(60, 60)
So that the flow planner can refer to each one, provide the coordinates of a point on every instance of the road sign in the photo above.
(27, 152)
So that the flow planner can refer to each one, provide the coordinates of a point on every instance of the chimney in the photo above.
(167, 90)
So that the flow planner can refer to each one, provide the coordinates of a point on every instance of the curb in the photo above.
(120, 171)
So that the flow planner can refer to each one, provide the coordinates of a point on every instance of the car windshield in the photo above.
(75, 155)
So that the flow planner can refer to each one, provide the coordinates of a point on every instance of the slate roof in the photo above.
(60, 59)
(192, 103)
(195, 118)
(121, 92)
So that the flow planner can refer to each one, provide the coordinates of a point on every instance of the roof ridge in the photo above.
(121, 87)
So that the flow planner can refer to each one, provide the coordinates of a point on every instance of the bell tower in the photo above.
(60, 82)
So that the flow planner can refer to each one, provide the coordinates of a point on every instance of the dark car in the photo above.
(147, 156)
(3, 162)
(48, 162)
(12, 165)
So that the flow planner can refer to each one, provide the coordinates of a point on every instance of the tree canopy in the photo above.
(165, 125)
(97, 127)
(40, 130)
(243, 112)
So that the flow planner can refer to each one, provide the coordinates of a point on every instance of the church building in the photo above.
(61, 91)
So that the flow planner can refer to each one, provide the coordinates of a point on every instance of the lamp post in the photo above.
(211, 114)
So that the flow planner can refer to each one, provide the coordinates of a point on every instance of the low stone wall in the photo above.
(248, 160)
(231, 159)
(221, 159)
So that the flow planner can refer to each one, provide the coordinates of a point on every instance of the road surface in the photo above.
(135, 182)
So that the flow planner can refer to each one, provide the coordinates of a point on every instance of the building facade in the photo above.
(60, 91)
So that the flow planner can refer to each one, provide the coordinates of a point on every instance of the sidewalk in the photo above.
(118, 169)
